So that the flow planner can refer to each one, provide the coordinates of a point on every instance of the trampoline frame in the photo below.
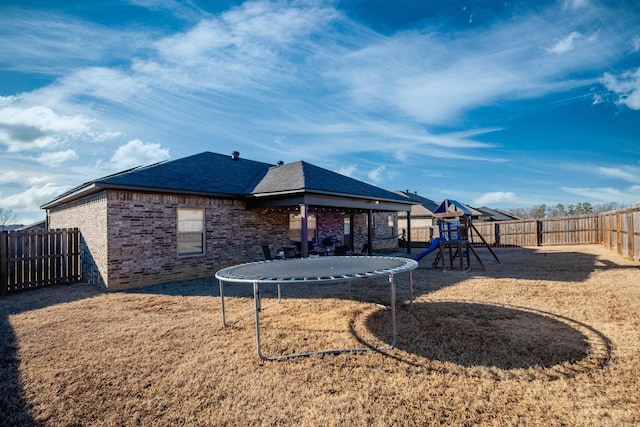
(228, 274)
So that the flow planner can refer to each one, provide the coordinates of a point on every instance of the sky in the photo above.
(503, 104)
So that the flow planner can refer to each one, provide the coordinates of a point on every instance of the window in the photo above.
(295, 225)
(190, 232)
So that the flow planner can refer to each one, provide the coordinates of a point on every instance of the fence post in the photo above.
(618, 233)
(631, 235)
(4, 254)
(65, 256)
(496, 233)
(538, 233)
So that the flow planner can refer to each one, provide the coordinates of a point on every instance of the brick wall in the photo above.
(141, 230)
(143, 237)
(329, 224)
(384, 237)
(130, 239)
(90, 216)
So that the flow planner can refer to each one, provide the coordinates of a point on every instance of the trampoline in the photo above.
(315, 271)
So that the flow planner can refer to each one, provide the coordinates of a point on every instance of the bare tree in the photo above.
(6, 216)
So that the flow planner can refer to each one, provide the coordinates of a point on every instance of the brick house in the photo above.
(189, 217)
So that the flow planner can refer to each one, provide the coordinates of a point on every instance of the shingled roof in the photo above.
(303, 176)
(219, 175)
(206, 173)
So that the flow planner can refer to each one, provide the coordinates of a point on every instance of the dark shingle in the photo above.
(303, 176)
(221, 175)
(201, 173)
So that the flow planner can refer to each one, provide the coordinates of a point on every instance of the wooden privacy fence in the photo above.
(619, 231)
(541, 232)
(36, 259)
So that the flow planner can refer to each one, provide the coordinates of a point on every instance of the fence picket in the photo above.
(4, 275)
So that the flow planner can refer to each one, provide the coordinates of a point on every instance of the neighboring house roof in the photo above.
(428, 204)
(495, 215)
(219, 175)
(40, 225)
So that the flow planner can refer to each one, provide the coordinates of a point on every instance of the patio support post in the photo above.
(409, 232)
(369, 232)
(304, 231)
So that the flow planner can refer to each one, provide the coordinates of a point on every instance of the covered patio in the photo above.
(326, 204)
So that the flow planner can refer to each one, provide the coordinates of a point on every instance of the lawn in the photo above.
(550, 336)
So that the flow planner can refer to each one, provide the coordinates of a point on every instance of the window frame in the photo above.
(193, 233)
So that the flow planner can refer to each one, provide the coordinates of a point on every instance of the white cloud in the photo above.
(635, 44)
(626, 196)
(32, 198)
(495, 197)
(626, 173)
(105, 83)
(54, 44)
(565, 44)
(57, 158)
(136, 153)
(39, 127)
(348, 170)
(22, 177)
(626, 86)
(247, 46)
(376, 174)
(9, 176)
(575, 4)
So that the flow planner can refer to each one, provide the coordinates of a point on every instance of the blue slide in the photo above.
(434, 245)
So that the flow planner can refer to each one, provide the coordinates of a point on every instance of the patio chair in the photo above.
(267, 253)
(340, 250)
(290, 252)
(364, 251)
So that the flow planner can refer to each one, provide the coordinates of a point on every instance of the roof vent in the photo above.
(280, 163)
(235, 155)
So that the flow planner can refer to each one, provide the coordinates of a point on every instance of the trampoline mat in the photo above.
(316, 269)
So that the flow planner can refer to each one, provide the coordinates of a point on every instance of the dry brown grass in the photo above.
(548, 337)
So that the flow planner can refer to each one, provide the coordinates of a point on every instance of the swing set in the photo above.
(455, 226)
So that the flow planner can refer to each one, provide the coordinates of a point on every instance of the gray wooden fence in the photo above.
(36, 259)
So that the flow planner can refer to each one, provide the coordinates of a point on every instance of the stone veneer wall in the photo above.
(143, 240)
(89, 215)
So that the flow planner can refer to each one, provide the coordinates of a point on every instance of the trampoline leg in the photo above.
(257, 309)
(411, 290)
(224, 322)
(393, 310)
(279, 294)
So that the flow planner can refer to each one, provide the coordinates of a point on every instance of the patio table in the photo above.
(315, 271)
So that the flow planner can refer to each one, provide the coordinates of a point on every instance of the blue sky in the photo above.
(498, 103)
